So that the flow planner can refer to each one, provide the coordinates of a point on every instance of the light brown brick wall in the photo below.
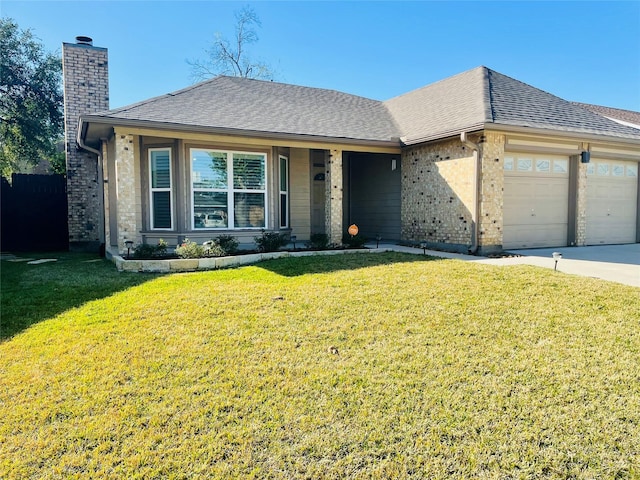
(581, 205)
(490, 219)
(128, 190)
(86, 90)
(105, 175)
(333, 198)
(437, 193)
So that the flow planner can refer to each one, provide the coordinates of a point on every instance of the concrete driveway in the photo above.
(616, 263)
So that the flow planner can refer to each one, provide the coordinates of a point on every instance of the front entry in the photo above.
(374, 194)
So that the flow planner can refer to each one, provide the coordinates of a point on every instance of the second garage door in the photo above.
(612, 199)
(536, 201)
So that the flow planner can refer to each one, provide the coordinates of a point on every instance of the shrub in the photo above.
(212, 249)
(189, 249)
(355, 241)
(144, 250)
(270, 241)
(228, 244)
(319, 241)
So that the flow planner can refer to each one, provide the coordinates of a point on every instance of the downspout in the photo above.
(86, 147)
(475, 212)
(82, 145)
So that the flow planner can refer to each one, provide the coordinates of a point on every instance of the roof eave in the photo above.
(442, 135)
(492, 126)
(117, 122)
(587, 136)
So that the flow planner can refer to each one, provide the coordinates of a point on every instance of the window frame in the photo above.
(230, 189)
(284, 223)
(153, 189)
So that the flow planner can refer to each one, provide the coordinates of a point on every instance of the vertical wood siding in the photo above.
(374, 192)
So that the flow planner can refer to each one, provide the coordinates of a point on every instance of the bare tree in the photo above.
(231, 57)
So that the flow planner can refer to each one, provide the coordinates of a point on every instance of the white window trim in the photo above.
(284, 193)
(152, 189)
(228, 191)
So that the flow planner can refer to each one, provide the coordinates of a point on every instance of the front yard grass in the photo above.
(353, 366)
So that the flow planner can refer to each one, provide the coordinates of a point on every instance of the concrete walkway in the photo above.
(615, 263)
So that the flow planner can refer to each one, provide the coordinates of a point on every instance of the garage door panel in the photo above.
(534, 236)
(536, 205)
(611, 202)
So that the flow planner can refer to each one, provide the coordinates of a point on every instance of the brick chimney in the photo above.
(86, 90)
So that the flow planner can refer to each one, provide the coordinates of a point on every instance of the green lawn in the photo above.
(444, 370)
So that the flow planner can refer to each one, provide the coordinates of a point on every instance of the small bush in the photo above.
(213, 249)
(355, 241)
(144, 250)
(189, 249)
(228, 244)
(270, 241)
(318, 241)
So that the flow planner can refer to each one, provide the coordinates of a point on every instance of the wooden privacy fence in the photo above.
(34, 213)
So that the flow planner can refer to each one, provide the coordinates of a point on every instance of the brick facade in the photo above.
(581, 205)
(86, 90)
(334, 197)
(105, 191)
(437, 194)
(128, 190)
(490, 219)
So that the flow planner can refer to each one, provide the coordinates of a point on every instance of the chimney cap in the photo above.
(82, 40)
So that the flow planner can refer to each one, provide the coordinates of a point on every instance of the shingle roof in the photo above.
(626, 117)
(270, 107)
(443, 108)
(516, 103)
(469, 101)
(481, 97)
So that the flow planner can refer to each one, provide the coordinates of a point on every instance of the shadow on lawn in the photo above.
(34, 293)
(295, 266)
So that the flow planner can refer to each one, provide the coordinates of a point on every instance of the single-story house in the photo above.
(476, 162)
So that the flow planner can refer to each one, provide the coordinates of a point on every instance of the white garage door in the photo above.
(536, 201)
(612, 202)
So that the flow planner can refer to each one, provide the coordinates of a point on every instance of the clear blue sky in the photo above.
(581, 51)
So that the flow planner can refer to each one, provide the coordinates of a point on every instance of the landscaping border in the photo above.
(215, 263)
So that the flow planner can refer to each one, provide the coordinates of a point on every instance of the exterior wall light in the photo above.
(585, 157)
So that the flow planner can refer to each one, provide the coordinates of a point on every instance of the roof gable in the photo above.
(443, 108)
